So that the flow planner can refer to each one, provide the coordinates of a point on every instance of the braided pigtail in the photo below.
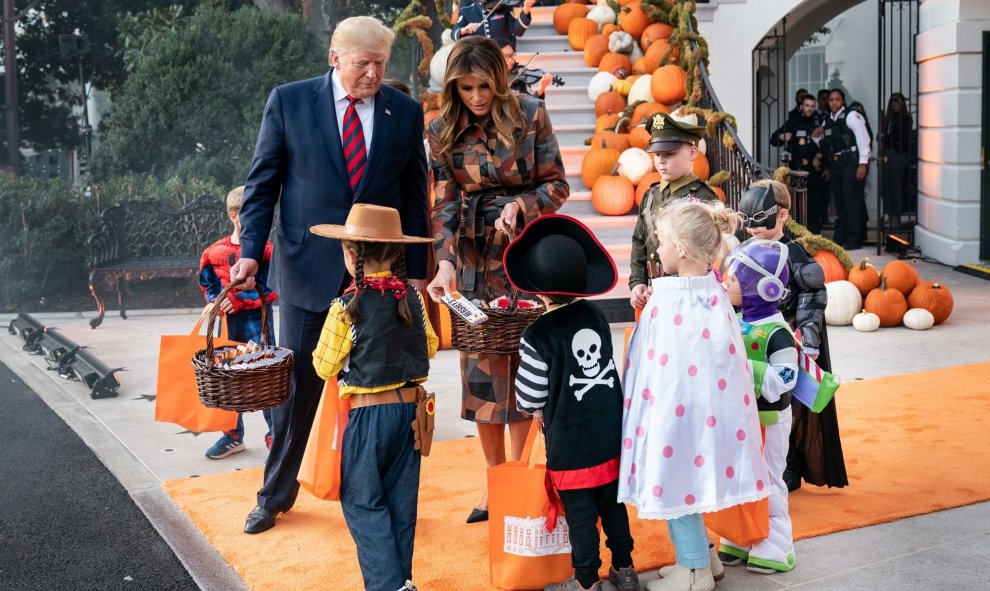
(400, 272)
(352, 307)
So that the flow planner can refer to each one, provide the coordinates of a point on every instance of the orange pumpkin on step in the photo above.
(609, 102)
(613, 63)
(639, 137)
(633, 20)
(607, 121)
(595, 49)
(611, 139)
(887, 303)
(900, 275)
(865, 277)
(719, 193)
(598, 162)
(655, 52)
(701, 168)
(646, 110)
(612, 195)
(934, 297)
(834, 271)
(563, 15)
(653, 33)
(579, 31)
(609, 28)
(668, 85)
(644, 185)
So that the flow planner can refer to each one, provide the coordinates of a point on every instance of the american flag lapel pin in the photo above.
(387, 112)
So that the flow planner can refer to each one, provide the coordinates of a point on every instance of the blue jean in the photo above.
(238, 431)
(690, 540)
(379, 491)
(245, 326)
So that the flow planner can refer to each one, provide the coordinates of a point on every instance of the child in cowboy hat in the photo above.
(358, 346)
(568, 379)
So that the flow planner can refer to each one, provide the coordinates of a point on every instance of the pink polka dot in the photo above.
(628, 363)
(759, 485)
(632, 469)
(732, 349)
(640, 431)
(646, 394)
(730, 472)
(628, 403)
(722, 384)
(754, 346)
(654, 312)
(664, 359)
(678, 319)
(679, 411)
(710, 421)
(668, 451)
(699, 461)
(706, 334)
(657, 491)
(740, 435)
(692, 370)
(689, 500)
(650, 354)
(627, 443)
(629, 481)
(746, 399)
(714, 300)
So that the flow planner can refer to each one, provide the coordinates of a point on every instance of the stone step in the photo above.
(553, 61)
(575, 182)
(571, 114)
(572, 157)
(569, 95)
(575, 77)
(573, 134)
(541, 40)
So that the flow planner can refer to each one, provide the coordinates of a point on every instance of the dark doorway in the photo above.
(985, 154)
(770, 91)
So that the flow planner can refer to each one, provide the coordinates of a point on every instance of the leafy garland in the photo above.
(412, 23)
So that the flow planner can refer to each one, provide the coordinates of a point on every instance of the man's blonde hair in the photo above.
(361, 33)
(235, 199)
(780, 193)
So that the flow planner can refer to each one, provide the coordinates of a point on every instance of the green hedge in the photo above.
(44, 227)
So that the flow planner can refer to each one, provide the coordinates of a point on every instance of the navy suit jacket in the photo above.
(299, 166)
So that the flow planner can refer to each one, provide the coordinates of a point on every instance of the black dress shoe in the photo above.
(259, 520)
(477, 515)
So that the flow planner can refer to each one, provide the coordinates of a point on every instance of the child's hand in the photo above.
(226, 307)
(640, 294)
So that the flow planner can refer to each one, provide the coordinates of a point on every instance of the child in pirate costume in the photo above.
(755, 278)
(690, 434)
(674, 146)
(815, 450)
(567, 377)
(377, 344)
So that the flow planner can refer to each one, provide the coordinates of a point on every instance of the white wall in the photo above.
(949, 50)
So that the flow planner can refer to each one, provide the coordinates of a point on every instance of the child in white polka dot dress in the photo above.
(691, 433)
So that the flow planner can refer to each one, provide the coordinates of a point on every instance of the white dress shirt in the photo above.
(365, 110)
(856, 124)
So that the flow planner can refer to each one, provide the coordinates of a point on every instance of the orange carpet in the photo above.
(913, 443)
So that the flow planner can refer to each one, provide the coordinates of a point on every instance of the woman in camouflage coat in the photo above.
(496, 166)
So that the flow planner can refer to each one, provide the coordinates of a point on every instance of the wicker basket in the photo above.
(502, 331)
(242, 390)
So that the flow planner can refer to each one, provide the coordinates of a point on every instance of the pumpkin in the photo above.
(620, 42)
(612, 195)
(639, 137)
(599, 83)
(564, 14)
(918, 319)
(700, 167)
(690, 119)
(611, 139)
(866, 321)
(595, 49)
(886, 302)
(644, 185)
(606, 122)
(654, 52)
(668, 84)
(579, 31)
(614, 63)
(609, 102)
(932, 296)
(633, 19)
(634, 164)
(602, 14)
(455, 11)
(646, 110)
(834, 271)
(703, 146)
(864, 276)
(844, 302)
(900, 275)
(610, 28)
(599, 162)
(639, 66)
(653, 33)
(622, 86)
(719, 193)
(640, 90)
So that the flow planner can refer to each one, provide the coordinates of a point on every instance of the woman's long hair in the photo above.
(889, 113)
(481, 57)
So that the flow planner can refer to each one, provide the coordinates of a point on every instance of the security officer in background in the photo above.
(501, 23)
(846, 147)
(800, 137)
(674, 146)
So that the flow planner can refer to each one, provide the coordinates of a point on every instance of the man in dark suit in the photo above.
(325, 144)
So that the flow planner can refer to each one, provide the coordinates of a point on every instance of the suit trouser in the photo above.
(299, 330)
(849, 197)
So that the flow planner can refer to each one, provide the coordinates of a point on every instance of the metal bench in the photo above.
(146, 239)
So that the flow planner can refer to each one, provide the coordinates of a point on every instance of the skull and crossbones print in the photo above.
(586, 346)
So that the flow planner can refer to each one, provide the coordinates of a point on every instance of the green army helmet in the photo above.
(667, 133)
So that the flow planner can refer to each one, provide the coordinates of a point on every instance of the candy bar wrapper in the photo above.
(504, 302)
(464, 308)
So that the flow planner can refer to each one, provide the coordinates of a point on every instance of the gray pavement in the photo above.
(943, 550)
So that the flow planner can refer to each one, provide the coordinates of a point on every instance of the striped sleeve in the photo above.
(532, 381)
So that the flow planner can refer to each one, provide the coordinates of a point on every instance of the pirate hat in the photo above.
(558, 255)
(369, 223)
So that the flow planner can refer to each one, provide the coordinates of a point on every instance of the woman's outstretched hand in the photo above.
(440, 286)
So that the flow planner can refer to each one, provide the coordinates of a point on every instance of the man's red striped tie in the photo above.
(355, 155)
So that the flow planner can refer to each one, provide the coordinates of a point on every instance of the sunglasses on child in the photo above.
(759, 217)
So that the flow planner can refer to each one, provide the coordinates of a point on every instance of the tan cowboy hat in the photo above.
(369, 223)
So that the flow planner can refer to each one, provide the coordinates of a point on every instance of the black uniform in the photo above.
(502, 25)
(848, 193)
(802, 149)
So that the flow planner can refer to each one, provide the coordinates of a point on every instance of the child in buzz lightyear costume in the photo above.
(756, 275)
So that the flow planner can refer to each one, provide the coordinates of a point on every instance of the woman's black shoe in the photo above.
(478, 515)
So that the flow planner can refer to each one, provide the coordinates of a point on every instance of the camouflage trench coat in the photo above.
(476, 179)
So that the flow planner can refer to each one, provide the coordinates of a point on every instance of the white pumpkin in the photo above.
(702, 146)
(438, 65)
(447, 37)
(640, 90)
(601, 14)
(599, 83)
(844, 302)
(636, 53)
(634, 164)
(866, 321)
(918, 319)
(620, 42)
(690, 119)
